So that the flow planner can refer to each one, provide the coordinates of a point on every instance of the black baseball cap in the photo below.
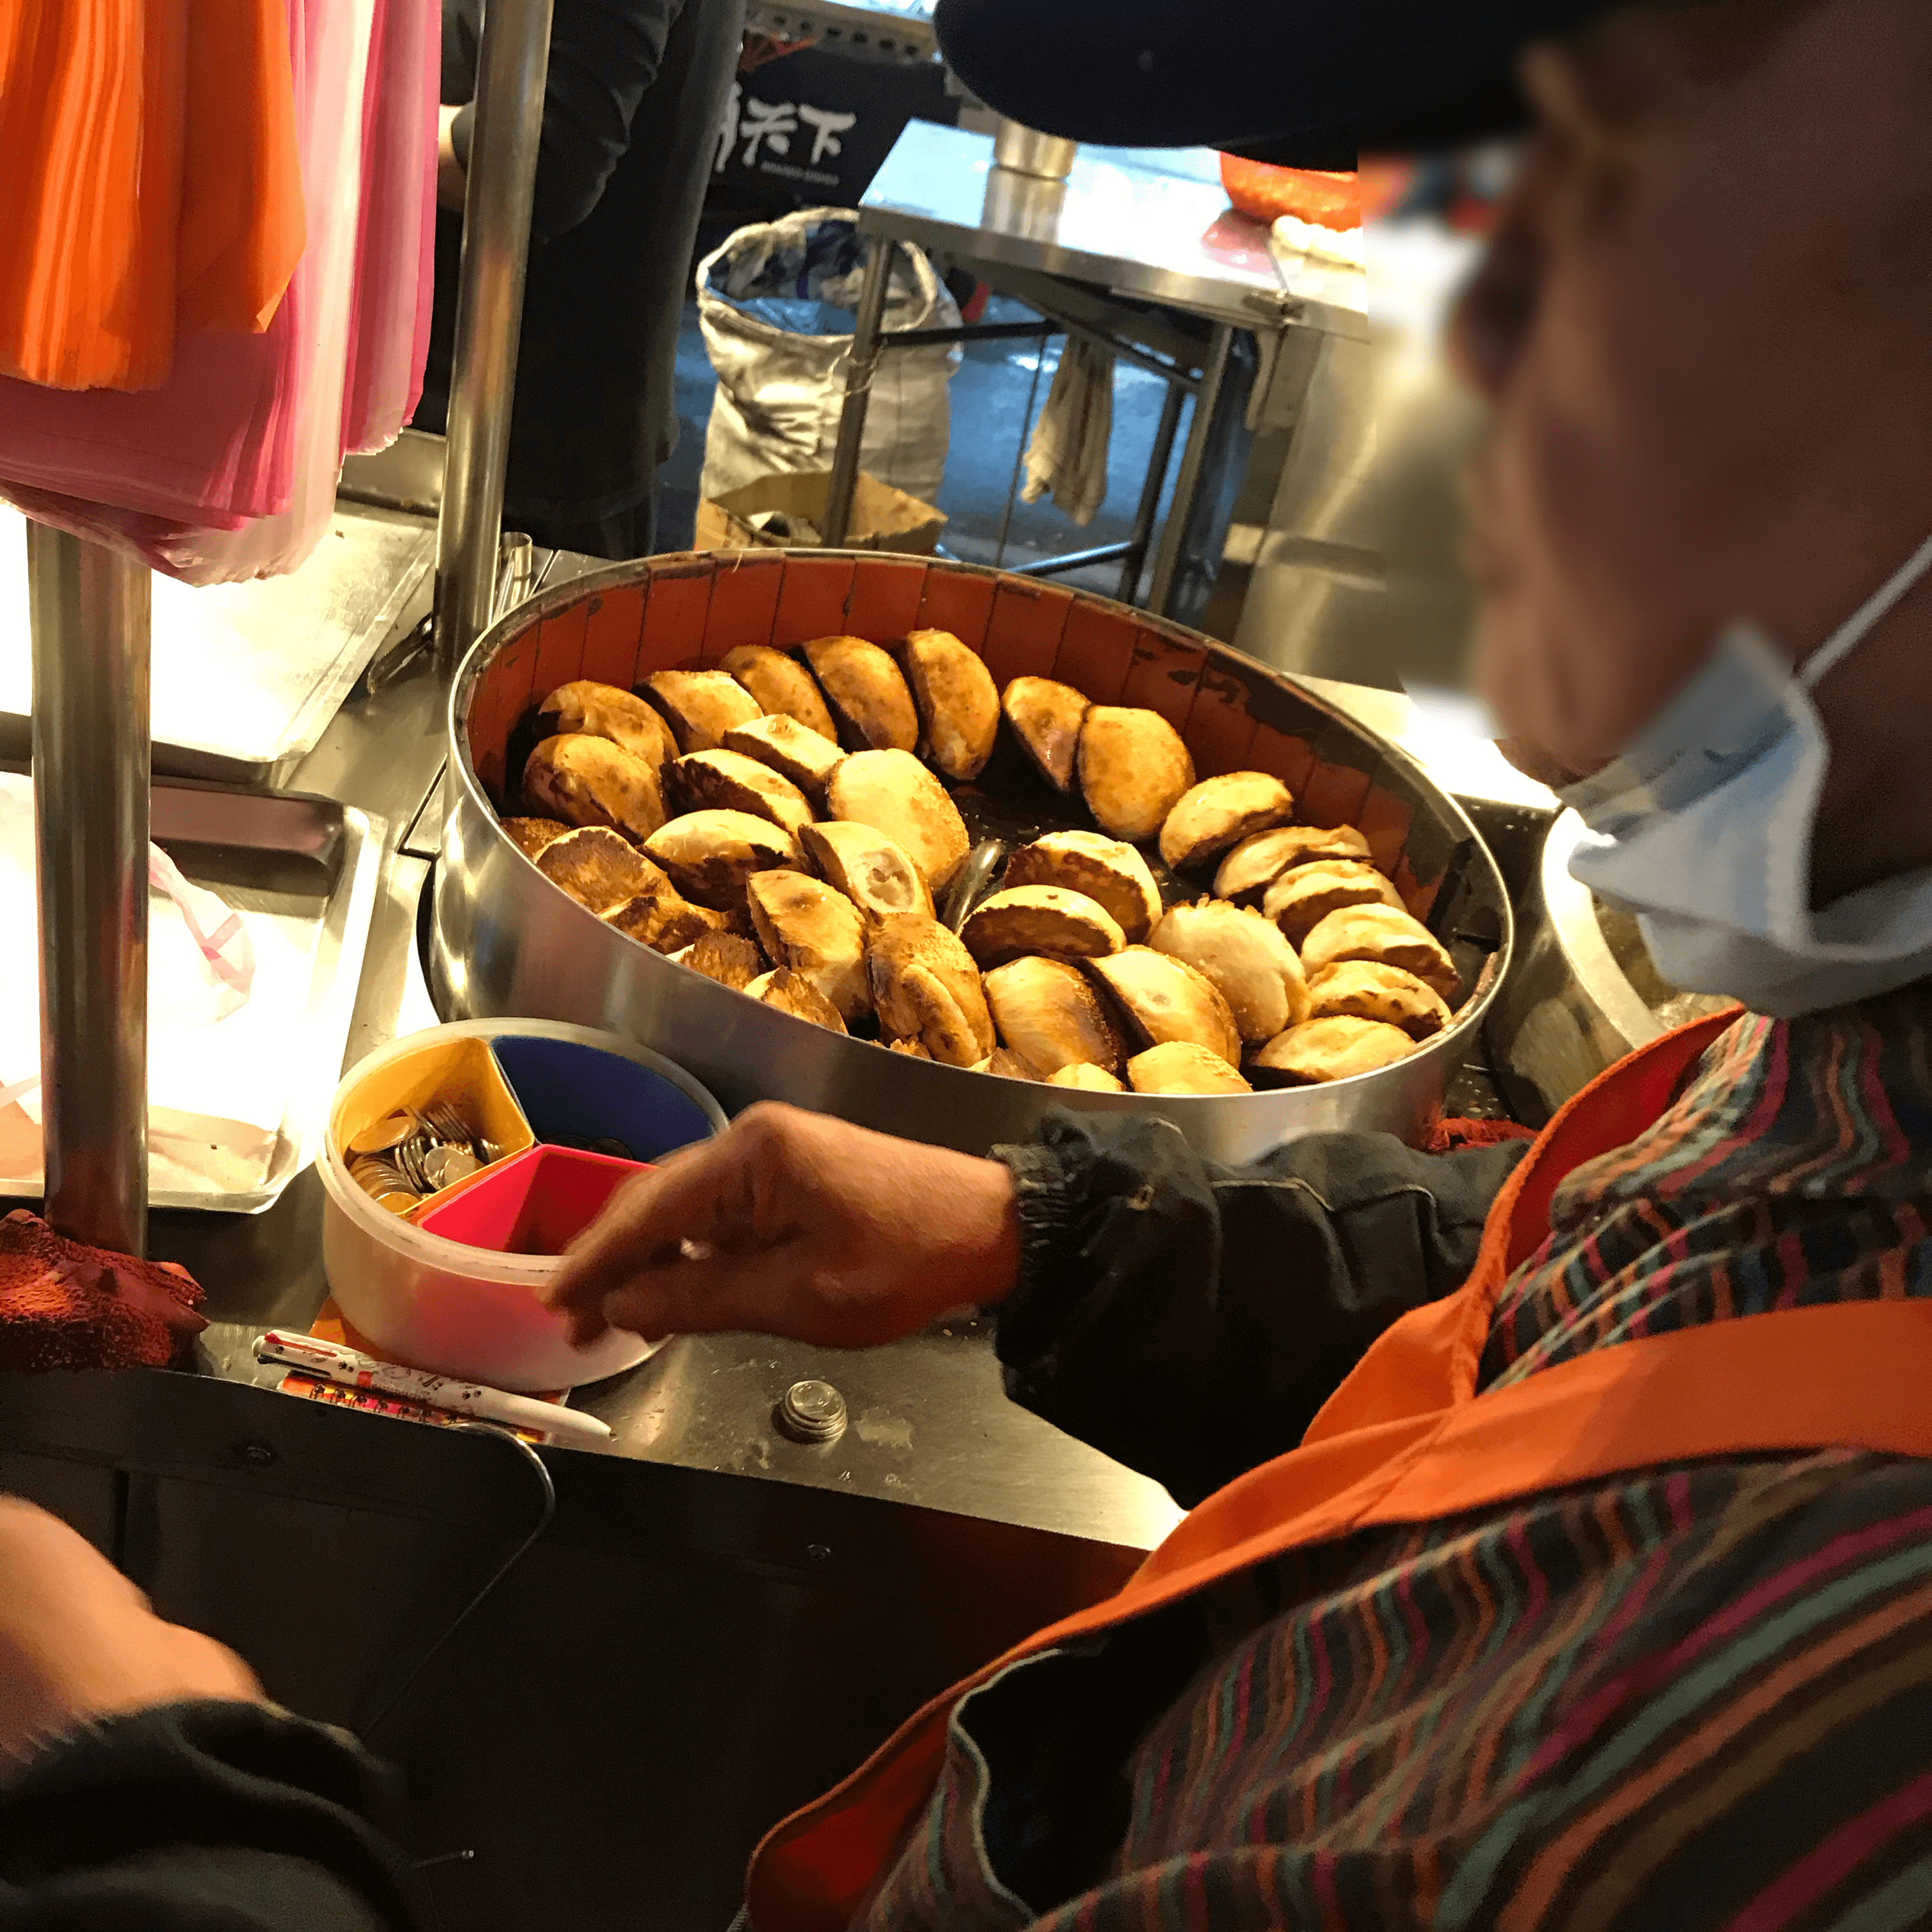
(1307, 83)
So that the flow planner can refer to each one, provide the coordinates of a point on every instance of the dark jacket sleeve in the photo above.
(201, 1816)
(604, 54)
(1189, 1319)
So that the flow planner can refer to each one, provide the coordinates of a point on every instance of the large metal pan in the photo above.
(506, 942)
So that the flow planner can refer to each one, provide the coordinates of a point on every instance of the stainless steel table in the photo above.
(1115, 252)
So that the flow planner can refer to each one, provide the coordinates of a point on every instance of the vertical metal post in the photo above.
(1193, 455)
(860, 367)
(1134, 561)
(91, 635)
(513, 61)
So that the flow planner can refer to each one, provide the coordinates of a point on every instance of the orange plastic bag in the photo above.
(121, 213)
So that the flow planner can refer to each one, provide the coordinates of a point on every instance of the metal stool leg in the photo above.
(1167, 560)
(859, 371)
(1134, 561)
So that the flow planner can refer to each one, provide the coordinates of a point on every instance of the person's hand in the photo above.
(452, 183)
(78, 1641)
(793, 1223)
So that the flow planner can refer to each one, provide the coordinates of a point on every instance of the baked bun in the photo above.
(1388, 935)
(893, 790)
(726, 957)
(1320, 1051)
(1107, 870)
(1180, 1067)
(700, 706)
(1219, 812)
(589, 780)
(1039, 919)
(1048, 1011)
(957, 706)
(604, 711)
(793, 993)
(530, 835)
(782, 685)
(1302, 897)
(867, 694)
(1253, 967)
(726, 781)
(1369, 989)
(792, 750)
(597, 867)
(1088, 1079)
(814, 930)
(925, 987)
(1046, 718)
(1134, 769)
(711, 856)
(1165, 999)
(870, 867)
(662, 919)
(1246, 874)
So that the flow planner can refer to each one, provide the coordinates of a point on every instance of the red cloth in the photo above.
(1448, 1135)
(63, 1305)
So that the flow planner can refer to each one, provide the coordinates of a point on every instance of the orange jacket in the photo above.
(1406, 1439)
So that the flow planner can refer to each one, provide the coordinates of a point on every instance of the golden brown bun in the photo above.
(1180, 1067)
(589, 780)
(957, 706)
(925, 987)
(700, 706)
(791, 750)
(1108, 870)
(782, 685)
(815, 930)
(727, 780)
(1046, 717)
(1382, 933)
(1253, 967)
(597, 867)
(604, 711)
(725, 957)
(1039, 919)
(893, 790)
(1319, 1051)
(1304, 896)
(1134, 769)
(1219, 812)
(711, 856)
(1165, 999)
(663, 920)
(530, 835)
(1246, 874)
(793, 993)
(1368, 989)
(1088, 1079)
(1010, 1065)
(867, 694)
(1048, 1011)
(870, 867)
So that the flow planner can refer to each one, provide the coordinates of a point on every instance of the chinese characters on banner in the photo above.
(771, 125)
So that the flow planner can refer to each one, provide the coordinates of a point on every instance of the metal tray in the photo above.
(311, 866)
(247, 677)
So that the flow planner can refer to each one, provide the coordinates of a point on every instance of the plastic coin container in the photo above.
(473, 1311)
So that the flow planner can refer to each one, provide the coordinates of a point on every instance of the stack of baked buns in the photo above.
(782, 822)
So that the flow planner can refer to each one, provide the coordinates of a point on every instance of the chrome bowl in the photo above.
(506, 942)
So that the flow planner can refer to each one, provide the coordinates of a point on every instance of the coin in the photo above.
(397, 1203)
(444, 1166)
(381, 1135)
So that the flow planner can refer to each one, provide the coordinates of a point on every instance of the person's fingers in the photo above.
(692, 1199)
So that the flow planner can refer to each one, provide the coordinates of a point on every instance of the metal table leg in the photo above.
(513, 62)
(1167, 560)
(860, 367)
(1134, 561)
(91, 639)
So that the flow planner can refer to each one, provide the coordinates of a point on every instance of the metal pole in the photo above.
(1158, 458)
(863, 360)
(90, 623)
(1174, 532)
(513, 60)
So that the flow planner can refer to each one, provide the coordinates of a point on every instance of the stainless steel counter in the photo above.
(1118, 223)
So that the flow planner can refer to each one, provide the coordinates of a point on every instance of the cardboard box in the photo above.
(883, 518)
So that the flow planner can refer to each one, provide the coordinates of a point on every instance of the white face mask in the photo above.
(1703, 829)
